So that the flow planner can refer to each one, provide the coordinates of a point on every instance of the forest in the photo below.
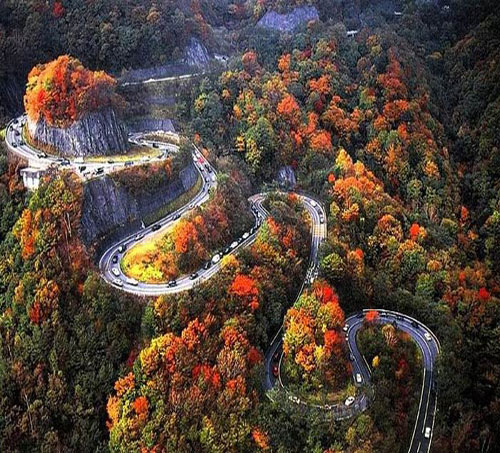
(394, 130)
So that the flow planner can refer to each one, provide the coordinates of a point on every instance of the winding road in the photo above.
(109, 266)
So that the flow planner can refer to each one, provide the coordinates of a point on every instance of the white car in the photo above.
(234, 245)
(359, 379)
(115, 272)
(428, 336)
(314, 204)
(245, 235)
(349, 401)
(427, 433)
(216, 259)
(117, 282)
(345, 328)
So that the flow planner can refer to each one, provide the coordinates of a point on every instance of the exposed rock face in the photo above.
(152, 124)
(97, 133)
(109, 208)
(288, 22)
(196, 54)
(286, 177)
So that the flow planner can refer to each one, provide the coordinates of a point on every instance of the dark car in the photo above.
(193, 276)
(414, 324)
(41, 155)
(82, 168)
(122, 248)
(156, 227)
(129, 163)
(172, 283)
(155, 145)
(207, 265)
(177, 216)
(111, 162)
(275, 371)
(115, 259)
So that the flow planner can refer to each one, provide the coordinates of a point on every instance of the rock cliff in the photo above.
(288, 22)
(97, 133)
(111, 210)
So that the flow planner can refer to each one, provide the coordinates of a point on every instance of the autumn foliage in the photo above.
(62, 91)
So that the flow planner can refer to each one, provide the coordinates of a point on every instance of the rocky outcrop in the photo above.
(97, 133)
(288, 22)
(286, 177)
(111, 210)
(196, 54)
(151, 124)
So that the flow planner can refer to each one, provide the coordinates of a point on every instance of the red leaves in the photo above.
(372, 316)
(58, 10)
(414, 231)
(246, 288)
(289, 109)
(483, 294)
(63, 90)
(141, 405)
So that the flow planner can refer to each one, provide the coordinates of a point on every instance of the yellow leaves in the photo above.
(376, 361)
(431, 170)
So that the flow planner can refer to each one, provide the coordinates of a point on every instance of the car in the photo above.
(347, 338)
(427, 433)
(359, 379)
(276, 355)
(115, 272)
(129, 163)
(41, 155)
(193, 276)
(414, 324)
(226, 250)
(351, 357)
(214, 178)
(82, 168)
(177, 216)
(14, 145)
(132, 282)
(139, 236)
(234, 245)
(111, 162)
(172, 283)
(99, 171)
(191, 206)
(321, 219)
(122, 248)
(245, 236)
(349, 400)
(314, 204)
(21, 142)
(345, 328)
(117, 282)
(65, 162)
(156, 227)
(115, 259)
(207, 265)
(155, 145)
(216, 259)
(428, 336)
(275, 371)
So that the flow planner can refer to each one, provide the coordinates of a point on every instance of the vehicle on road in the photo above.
(139, 236)
(245, 236)
(117, 282)
(207, 265)
(172, 283)
(314, 204)
(351, 357)
(349, 400)
(359, 379)
(345, 328)
(129, 163)
(132, 282)
(115, 259)
(193, 276)
(122, 248)
(99, 171)
(321, 219)
(428, 336)
(42, 155)
(427, 433)
(156, 227)
(115, 271)
(275, 371)
(177, 216)
(82, 168)
(14, 145)
(110, 162)
(234, 245)
(216, 259)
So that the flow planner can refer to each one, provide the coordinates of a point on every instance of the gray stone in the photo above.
(97, 133)
(288, 22)
(108, 207)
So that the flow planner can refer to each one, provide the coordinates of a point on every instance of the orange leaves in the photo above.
(260, 438)
(113, 407)
(246, 288)
(184, 234)
(124, 384)
(62, 90)
(322, 85)
(284, 62)
(321, 141)
(372, 316)
(141, 405)
(289, 109)
(414, 231)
